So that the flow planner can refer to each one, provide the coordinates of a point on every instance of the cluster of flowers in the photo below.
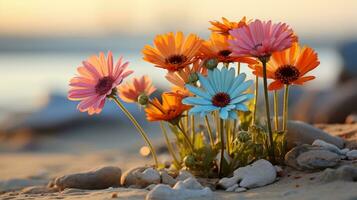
(201, 87)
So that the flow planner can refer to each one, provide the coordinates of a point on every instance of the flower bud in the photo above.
(211, 63)
(189, 161)
(143, 99)
(193, 78)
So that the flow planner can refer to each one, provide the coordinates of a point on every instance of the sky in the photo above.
(66, 18)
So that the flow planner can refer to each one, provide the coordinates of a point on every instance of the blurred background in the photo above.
(42, 42)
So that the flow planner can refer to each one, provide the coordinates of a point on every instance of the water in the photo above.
(27, 77)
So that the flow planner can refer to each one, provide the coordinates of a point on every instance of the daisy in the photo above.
(289, 67)
(97, 79)
(222, 91)
(169, 110)
(225, 26)
(261, 39)
(137, 91)
(218, 47)
(173, 51)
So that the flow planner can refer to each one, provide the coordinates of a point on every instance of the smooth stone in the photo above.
(98, 179)
(38, 190)
(183, 175)
(16, 184)
(327, 146)
(167, 179)
(240, 189)
(345, 173)
(148, 176)
(130, 179)
(318, 159)
(345, 150)
(352, 155)
(192, 183)
(351, 119)
(314, 157)
(150, 187)
(178, 192)
(232, 188)
(258, 174)
(226, 183)
(303, 133)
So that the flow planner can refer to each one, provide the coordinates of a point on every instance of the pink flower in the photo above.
(97, 78)
(261, 39)
(131, 91)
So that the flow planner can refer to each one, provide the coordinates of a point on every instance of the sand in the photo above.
(38, 168)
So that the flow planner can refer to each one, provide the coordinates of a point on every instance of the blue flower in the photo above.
(222, 91)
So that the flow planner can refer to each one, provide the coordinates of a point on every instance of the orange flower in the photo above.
(182, 77)
(173, 51)
(289, 67)
(218, 47)
(169, 110)
(224, 27)
(131, 91)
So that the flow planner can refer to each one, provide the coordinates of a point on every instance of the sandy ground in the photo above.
(42, 167)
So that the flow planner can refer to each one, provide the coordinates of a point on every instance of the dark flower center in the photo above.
(176, 59)
(287, 74)
(225, 53)
(104, 85)
(221, 99)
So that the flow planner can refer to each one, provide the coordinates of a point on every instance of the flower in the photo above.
(217, 47)
(289, 66)
(169, 110)
(222, 92)
(261, 39)
(97, 79)
(173, 51)
(226, 26)
(139, 87)
(182, 77)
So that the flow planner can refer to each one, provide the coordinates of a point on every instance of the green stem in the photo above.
(265, 82)
(169, 145)
(209, 130)
(138, 127)
(186, 138)
(256, 92)
(238, 68)
(222, 147)
(227, 123)
(285, 112)
(276, 111)
(192, 119)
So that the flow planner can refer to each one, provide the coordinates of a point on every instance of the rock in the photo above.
(260, 173)
(345, 150)
(38, 190)
(99, 179)
(352, 155)
(167, 179)
(192, 183)
(226, 183)
(307, 157)
(178, 192)
(318, 159)
(183, 175)
(303, 133)
(240, 189)
(351, 119)
(345, 173)
(129, 178)
(150, 187)
(147, 177)
(16, 184)
(232, 188)
(327, 146)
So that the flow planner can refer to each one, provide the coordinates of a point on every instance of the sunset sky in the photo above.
(315, 18)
